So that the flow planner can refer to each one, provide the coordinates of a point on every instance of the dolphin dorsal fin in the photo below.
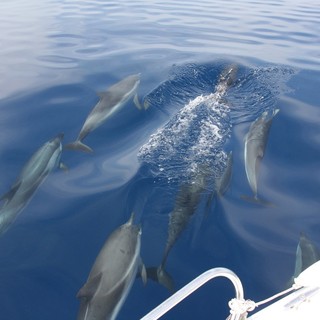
(90, 287)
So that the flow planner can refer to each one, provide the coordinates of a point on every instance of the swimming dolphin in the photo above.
(32, 175)
(112, 274)
(306, 255)
(110, 102)
(255, 144)
(185, 206)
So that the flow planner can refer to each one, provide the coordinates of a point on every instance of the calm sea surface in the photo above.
(55, 55)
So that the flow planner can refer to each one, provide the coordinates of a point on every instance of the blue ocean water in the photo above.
(57, 54)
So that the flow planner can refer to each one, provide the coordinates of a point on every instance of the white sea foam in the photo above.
(195, 135)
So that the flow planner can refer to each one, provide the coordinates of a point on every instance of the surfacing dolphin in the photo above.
(110, 102)
(112, 274)
(32, 175)
(186, 203)
(255, 144)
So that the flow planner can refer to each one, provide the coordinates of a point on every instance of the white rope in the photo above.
(241, 306)
(294, 287)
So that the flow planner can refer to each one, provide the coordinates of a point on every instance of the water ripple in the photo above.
(62, 34)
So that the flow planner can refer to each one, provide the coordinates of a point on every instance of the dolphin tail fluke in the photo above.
(257, 201)
(78, 145)
(160, 275)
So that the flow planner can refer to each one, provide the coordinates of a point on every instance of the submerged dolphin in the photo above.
(306, 255)
(255, 144)
(112, 274)
(110, 102)
(185, 206)
(32, 175)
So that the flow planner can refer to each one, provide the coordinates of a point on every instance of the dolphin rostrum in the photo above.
(186, 203)
(112, 274)
(32, 175)
(110, 102)
(255, 144)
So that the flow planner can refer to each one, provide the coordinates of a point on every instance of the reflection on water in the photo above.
(56, 56)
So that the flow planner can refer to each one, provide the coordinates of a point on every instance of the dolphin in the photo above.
(186, 203)
(255, 144)
(111, 101)
(306, 255)
(112, 274)
(32, 175)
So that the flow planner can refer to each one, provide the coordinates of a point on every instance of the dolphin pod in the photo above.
(32, 175)
(254, 148)
(118, 262)
(112, 274)
(110, 102)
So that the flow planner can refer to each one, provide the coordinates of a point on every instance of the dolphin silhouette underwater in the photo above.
(112, 274)
(111, 101)
(306, 254)
(254, 149)
(186, 203)
(32, 175)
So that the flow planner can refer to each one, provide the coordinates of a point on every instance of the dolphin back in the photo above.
(32, 175)
(111, 101)
(112, 274)
(255, 144)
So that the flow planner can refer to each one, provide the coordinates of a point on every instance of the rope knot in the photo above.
(240, 306)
